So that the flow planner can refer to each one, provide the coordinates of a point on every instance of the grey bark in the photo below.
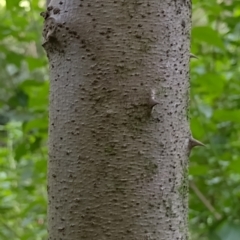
(118, 128)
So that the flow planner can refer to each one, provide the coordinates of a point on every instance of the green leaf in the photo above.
(20, 151)
(34, 63)
(38, 96)
(229, 231)
(227, 115)
(19, 99)
(234, 166)
(10, 4)
(199, 170)
(36, 125)
(211, 83)
(208, 35)
(197, 128)
(14, 58)
(36, 144)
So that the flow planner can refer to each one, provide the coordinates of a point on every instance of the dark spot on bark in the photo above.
(49, 8)
(73, 32)
(178, 11)
(183, 24)
(56, 10)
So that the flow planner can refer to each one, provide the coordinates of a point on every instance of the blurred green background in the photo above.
(215, 120)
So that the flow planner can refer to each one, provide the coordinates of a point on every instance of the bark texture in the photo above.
(118, 133)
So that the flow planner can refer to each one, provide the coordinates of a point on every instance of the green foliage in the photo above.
(215, 119)
(23, 122)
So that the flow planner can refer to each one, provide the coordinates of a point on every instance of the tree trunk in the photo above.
(118, 131)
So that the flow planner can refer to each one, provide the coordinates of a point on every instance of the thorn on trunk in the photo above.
(49, 30)
(51, 34)
(193, 143)
(193, 56)
(152, 100)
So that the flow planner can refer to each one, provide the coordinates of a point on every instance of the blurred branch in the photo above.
(204, 200)
(9, 228)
